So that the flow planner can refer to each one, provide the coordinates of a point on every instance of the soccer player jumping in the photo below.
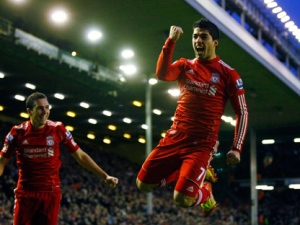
(206, 83)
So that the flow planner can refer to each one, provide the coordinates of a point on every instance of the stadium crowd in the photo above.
(87, 201)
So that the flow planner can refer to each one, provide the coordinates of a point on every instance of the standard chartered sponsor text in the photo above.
(35, 153)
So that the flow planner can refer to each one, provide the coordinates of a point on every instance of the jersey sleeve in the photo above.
(238, 101)
(9, 143)
(165, 69)
(67, 139)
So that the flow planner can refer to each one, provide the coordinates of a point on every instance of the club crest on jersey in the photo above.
(50, 141)
(215, 77)
(239, 84)
(68, 134)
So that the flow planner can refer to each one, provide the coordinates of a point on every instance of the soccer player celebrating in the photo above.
(36, 143)
(206, 83)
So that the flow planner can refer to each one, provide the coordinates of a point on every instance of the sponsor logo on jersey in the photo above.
(68, 134)
(239, 84)
(9, 138)
(190, 189)
(215, 77)
(50, 152)
(190, 71)
(50, 141)
(212, 90)
(25, 142)
(35, 153)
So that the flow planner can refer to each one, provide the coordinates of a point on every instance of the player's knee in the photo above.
(185, 192)
(144, 187)
(183, 200)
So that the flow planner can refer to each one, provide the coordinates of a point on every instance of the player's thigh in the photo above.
(47, 213)
(25, 207)
(194, 164)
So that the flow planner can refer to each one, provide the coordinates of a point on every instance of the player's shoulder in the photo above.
(22, 126)
(54, 124)
(225, 65)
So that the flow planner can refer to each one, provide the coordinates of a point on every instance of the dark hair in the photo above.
(211, 27)
(32, 98)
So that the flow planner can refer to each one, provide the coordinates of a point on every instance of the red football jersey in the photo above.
(38, 153)
(205, 87)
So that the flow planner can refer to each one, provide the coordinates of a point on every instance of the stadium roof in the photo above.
(274, 107)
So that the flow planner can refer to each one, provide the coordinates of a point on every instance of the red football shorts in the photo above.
(36, 208)
(178, 151)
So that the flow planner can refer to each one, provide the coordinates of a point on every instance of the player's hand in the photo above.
(175, 33)
(215, 148)
(111, 181)
(233, 157)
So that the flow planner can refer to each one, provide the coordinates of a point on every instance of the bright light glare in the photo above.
(297, 140)
(294, 186)
(106, 140)
(137, 103)
(128, 53)
(91, 136)
(2, 75)
(227, 119)
(59, 96)
(174, 92)
(24, 115)
(144, 126)
(59, 16)
(19, 1)
(107, 113)
(71, 114)
(142, 140)
(127, 120)
(30, 86)
(264, 187)
(20, 97)
(92, 121)
(268, 141)
(94, 35)
(152, 81)
(84, 105)
(69, 128)
(128, 69)
(112, 127)
(127, 136)
(157, 111)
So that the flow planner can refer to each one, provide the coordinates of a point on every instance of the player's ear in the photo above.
(216, 42)
(28, 111)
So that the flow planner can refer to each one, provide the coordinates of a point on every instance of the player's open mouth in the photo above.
(200, 49)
